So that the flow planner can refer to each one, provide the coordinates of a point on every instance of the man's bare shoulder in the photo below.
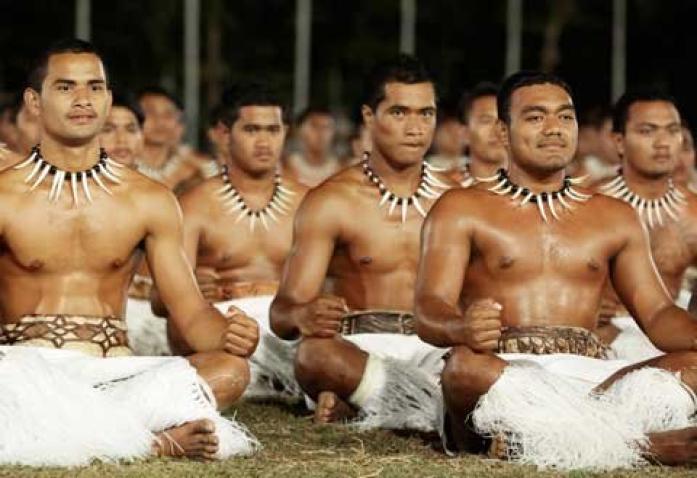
(8, 159)
(690, 196)
(294, 185)
(199, 197)
(334, 197)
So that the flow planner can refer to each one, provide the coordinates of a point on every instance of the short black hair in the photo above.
(480, 90)
(248, 94)
(595, 116)
(620, 113)
(126, 100)
(155, 90)
(38, 72)
(519, 80)
(403, 69)
(312, 110)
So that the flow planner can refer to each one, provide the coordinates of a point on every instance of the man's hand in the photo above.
(323, 317)
(242, 334)
(482, 328)
(609, 309)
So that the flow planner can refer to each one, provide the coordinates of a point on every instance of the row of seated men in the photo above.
(394, 294)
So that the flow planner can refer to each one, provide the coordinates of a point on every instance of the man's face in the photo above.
(652, 139)
(256, 139)
(403, 124)
(219, 136)
(543, 131)
(685, 168)
(317, 133)
(163, 120)
(74, 99)
(606, 143)
(482, 133)
(121, 136)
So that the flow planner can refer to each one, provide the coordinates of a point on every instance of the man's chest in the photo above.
(674, 246)
(51, 239)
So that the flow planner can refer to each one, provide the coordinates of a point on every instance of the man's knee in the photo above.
(469, 371)
(315, 356)
(227, 375)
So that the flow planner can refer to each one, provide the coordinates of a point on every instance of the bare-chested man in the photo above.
(238, 227)
(347, 287)
(165, 158)
(74, 225)
(122, 135)
(511, 277)
(485, 150)
(648, 136)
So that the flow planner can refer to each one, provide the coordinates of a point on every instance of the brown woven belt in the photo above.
(552, 340)
(378, 322)
(97, 336)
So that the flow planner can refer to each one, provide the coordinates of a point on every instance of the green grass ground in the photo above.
(295, 448)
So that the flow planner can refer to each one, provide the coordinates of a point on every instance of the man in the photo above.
(218, 135)
(685, 173)
(21, 129)
(315, 161)
(238, 227)
(8, 127)
(486, 152)
(74, 226)
(511, 277)
(347, 287)
(165, 159)
(649, 139)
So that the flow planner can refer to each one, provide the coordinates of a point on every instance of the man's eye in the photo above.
(397, 113)
(97, 87)
(428, 114)
(63, 87)
(534, 118)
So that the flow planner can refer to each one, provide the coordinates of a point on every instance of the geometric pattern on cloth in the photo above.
(98, 336)
(378, 322)
(547, 340)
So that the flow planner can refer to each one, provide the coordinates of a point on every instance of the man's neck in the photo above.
(155, 155)
(316, 158)
(645, 186)
(251, 184)
(401, 180)
(536, 181)
(70, 157)
(482, 169)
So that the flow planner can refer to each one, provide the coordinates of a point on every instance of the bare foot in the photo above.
(675, 447)
(195, 440)
(330, 408)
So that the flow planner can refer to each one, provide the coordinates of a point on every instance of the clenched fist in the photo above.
(482, 328)
(322, 317)
(242, 334)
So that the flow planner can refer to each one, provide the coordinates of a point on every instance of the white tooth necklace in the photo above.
(105, 171)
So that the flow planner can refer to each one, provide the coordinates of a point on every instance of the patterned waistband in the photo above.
(378, 322)
(96, 336)
(552, 340)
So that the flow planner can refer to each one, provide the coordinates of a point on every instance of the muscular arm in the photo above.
(192, 227)
(445, 252)
(316, 229)
(639, 286)
(199, 324)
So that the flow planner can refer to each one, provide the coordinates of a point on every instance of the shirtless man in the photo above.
(485, 150)
(351, 271)
(648, 136)
(238, 239)
(165, 158)
(520, 273)
(74, 226)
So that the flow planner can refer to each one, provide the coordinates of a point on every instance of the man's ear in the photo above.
(32, 100)
(502, 132)
(368, 116)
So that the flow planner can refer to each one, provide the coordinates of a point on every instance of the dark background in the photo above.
(461, 41)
